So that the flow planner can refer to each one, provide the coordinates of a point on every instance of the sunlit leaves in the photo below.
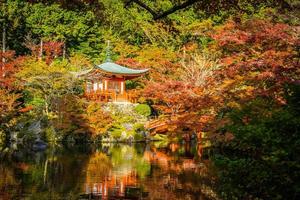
(198, 69)
(99, 120)
(261, 52)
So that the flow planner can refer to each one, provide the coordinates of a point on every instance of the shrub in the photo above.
(138, 127)
(143, 109)
(116, 131)
(138, 136)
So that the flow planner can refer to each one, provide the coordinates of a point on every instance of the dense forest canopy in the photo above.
(227, 68)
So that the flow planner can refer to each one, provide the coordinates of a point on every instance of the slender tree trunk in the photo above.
(41, 50)
(64, 50)
(3, 49)
(45, 171)
(46, 105)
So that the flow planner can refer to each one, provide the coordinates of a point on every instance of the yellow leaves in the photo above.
(125, 49)
(245, 91)
(200, 27)
(238, 78)
(233, 104)
(227, 83)
(237, 84)
(97, 167)
(97, 118)
(249, 90)
(78, 62)
(52, 115)
(8, 101)
(205, 119)
(44, 79)
(253, 74)
(216, 98)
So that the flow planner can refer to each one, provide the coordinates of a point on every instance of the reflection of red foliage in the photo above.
(23, 166)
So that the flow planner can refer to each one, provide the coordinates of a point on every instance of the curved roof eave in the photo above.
(118, 69)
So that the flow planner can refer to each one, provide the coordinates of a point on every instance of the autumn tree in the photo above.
(198, 68)
(258, 128)
(259, 58)
(46, 82)
(99, 119)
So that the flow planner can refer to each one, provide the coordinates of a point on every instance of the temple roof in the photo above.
(114, 68)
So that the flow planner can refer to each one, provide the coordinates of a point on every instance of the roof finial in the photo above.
(108, 54)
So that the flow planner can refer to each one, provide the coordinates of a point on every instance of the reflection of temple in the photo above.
(112, 185)
(102, 180)
(168, 162)
(118, 177)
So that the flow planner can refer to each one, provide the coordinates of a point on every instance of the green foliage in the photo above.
(143, 168)
(120, 155)
(116, 131)
(35, 101)
(138, 127)
(264, 150)
(51, 135)
(51, 22)
(143, 109)
(2, 139)
(12, 17)
(252, 40)
(46, 83)
(160, 137)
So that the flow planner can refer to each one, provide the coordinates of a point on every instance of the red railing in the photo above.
(111, 96)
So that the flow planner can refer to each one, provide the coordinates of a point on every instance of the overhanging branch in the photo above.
(157, 15)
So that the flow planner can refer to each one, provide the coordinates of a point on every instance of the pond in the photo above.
(108, 171)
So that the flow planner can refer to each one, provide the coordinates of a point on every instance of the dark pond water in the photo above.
(138, 171)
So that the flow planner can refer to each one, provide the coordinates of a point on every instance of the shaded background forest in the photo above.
(226, 68)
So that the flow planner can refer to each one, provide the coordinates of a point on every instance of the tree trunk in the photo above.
(199, 136)
(64, 50)
(45, 171)
(3, 49)
(41, 50)
(46, 106)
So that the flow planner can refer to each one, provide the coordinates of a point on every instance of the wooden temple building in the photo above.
(106, 83)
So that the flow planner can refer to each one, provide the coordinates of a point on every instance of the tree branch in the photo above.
(157, 15)
(143, 5)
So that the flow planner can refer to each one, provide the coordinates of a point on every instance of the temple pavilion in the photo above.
(106, 82)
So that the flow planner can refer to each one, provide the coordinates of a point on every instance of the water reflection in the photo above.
(109, 171)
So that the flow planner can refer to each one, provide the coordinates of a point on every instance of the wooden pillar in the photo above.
(95, 86)
(122, 87)
(105, 85)
(115, 96)
(100, 86)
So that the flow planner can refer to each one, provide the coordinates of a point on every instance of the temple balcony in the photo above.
(111, 96)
